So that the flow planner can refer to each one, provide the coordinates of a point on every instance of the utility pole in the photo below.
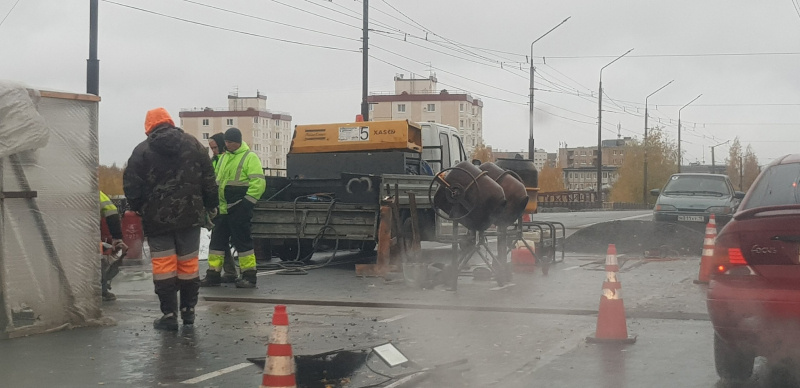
(741, 174)
(92, 64)
(680, 157)
(713, 163)
(364, 64)
(645, 198)
(531, 146)
(599, 198)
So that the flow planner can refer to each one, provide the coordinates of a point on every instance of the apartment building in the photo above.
(268, 133)
(420, 100)
(580, 164)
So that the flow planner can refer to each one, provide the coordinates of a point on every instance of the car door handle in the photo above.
(794, 239)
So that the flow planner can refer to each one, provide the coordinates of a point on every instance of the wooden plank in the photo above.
(69, 96)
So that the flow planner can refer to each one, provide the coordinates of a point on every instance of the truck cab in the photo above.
(442, 147)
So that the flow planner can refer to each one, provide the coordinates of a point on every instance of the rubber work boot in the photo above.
(187, 315)
(166, 322)
(109, 296)
(248, 280)
(229, 277)
(212, 279)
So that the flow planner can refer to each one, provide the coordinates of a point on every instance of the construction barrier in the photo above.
(707, 260)
(279, 370)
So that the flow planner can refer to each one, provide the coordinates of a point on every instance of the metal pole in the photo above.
(92, 64)
(531, 145)
(365, 63)
(713, 162)
(644, 181)
(600, 132)
(680, 157)
(741, 174)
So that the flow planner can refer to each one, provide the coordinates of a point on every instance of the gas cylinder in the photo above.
(514, 190)
(470, 196)
(526, 170)
(132, 234)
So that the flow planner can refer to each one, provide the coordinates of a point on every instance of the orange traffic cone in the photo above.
(279, 366)
(707, 260)
(611, 326)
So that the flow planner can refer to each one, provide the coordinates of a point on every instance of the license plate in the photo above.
(691, 218)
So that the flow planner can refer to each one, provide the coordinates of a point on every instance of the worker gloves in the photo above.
(119, 246)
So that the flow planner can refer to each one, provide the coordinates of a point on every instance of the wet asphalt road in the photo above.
(528, 335)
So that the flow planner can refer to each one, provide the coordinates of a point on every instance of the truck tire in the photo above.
(288, 251)
(731, 362)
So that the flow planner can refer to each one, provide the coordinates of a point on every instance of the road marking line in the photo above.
(217, 373)
(639, 216)
(394, 318)
(619, 219)
(571, 268)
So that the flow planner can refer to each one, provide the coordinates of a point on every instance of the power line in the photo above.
(316, 14)
(229, 29)
(674, 55)
(269, 20)
(9, 12)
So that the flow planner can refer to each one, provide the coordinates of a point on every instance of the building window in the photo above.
(278, 136)
(401, 108)
(431, 107)
(229, 121)
(205, 122)
(255, 120)
(277, 162)
(256, 147)
(371, 107)
(205, 135)
(461, 125)
(277, 123)
(461, 107)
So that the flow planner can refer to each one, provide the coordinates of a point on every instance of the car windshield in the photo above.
(778, 186)
(697, 185)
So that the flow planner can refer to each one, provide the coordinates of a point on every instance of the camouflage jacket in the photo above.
(169, 180)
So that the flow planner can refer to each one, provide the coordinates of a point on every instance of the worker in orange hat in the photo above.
(170, 182)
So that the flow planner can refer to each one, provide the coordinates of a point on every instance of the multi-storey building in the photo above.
(420, 100)
(268, 133)
(580, 164)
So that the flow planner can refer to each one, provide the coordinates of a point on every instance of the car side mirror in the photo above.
(655, 192)
(738, 194)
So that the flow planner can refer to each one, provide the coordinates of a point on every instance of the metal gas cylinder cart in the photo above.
(475, 198)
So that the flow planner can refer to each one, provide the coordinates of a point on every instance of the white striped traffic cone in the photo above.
(707, 260)
(611, 326)
(279, 367)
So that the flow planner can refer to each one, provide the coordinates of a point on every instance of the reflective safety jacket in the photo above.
(239, 177)
(107, 207)
(111, 215)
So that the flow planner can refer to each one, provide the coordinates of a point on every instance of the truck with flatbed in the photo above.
(337, 176)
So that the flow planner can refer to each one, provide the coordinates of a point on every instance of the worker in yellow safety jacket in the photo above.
(109, 212)
(241, 182)
(217, 145)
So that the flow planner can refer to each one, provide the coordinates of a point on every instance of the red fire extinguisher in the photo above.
(132, 234)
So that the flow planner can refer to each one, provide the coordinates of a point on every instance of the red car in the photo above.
(754, 292)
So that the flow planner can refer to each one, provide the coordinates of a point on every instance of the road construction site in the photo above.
(531, 332)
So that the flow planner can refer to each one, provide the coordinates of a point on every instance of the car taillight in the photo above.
(731, 261)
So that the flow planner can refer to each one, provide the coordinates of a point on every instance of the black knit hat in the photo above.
(233, 135)
(219, 138)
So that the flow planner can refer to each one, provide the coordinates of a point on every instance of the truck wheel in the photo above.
(732, 363)
(288, 252)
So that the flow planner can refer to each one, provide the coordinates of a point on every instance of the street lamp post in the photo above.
(644, 182)
(713, 163)
(599, 198)
(531, 147)
(680, 157)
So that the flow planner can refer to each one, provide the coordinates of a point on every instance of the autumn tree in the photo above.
(110, 178)
(551, 179)
(735, 163)
(661, 163)
(482, 152)
(751, 168)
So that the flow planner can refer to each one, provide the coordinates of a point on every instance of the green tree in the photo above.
(750, 169)
(482, 152)
(661, 163)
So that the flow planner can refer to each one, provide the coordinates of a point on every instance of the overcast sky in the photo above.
(149, 60)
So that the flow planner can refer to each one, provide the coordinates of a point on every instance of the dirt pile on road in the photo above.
(648, 238)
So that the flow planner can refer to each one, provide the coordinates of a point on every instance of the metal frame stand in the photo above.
(476, 242)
